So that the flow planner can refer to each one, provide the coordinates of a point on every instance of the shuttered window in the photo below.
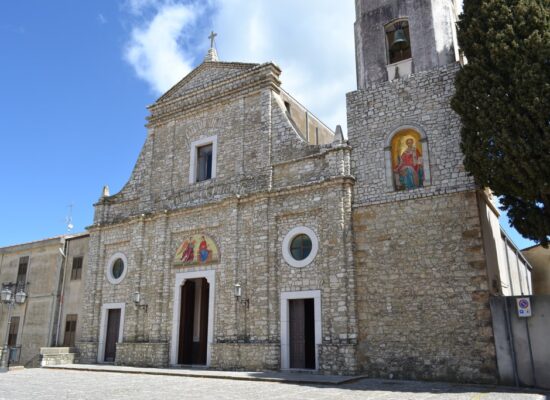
(70, 330)
(22, 271)
(14, 329)
(76, 272)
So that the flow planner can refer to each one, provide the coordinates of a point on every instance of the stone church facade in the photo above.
(251, 236)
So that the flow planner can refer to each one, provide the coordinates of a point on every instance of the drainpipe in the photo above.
(520, 275)
(64, 254)
(508, 267)
(511, 341)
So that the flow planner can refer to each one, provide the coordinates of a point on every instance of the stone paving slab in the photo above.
(267, 376)
(61, 384)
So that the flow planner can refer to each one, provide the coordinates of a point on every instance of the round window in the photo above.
(300, 247)
(116, 268)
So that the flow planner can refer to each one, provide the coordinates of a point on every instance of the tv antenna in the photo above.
(69, 218)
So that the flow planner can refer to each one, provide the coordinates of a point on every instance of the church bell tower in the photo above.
(421, 267)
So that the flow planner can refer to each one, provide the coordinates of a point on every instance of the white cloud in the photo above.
(154, 50)
(311, 40)
(101, 18)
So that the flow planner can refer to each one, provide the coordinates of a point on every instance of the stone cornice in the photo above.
(203, 66)
(255, 79)
(345, 180)
(417, 194)
(325, 149)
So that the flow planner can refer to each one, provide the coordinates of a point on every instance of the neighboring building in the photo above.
(37, 268)
(509, 273)
(72, 293)
(539, 258)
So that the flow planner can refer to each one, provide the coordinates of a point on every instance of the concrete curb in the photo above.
(291, 378)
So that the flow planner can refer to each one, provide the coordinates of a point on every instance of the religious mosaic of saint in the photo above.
(197, 249)
(407, 161)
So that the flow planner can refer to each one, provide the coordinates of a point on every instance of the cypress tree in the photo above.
(503, 99)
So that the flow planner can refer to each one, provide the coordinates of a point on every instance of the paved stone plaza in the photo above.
(64, 384)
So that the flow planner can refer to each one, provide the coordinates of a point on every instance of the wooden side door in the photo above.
(185, 353)
(309, 333)
(297, 333)
(203, 337)
(111, 337)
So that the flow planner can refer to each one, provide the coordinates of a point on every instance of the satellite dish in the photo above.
(70, 226)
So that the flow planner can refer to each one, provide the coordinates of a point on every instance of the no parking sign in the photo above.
(524, 306)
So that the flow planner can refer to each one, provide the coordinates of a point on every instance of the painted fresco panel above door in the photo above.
(196, 250)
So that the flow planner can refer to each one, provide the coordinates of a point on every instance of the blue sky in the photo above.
(77, 77)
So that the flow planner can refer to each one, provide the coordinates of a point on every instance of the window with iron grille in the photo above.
(22, 271)
(70, 330)
(14, 329)
(76, 272)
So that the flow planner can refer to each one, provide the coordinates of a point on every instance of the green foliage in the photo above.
(503, 98)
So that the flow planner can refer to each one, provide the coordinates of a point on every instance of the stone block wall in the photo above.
(87, 352)
(338, 359)
(421, 101)
(57, 356)
(422, 293)
(422, 286)
(142, 354)
(249, 233)
(246, 356)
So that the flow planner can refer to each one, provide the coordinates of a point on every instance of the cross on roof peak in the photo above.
(212, 54)
(212, 36)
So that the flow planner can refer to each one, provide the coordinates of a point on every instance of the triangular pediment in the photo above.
(204, 75)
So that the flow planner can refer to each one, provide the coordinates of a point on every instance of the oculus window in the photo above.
(116, 268)
(300, 246)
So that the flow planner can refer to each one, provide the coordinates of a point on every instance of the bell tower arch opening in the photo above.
(398, 41)
(401, 31)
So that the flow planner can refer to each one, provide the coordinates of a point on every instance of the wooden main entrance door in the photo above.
(302, 333)
(193, 336)
(111, 336)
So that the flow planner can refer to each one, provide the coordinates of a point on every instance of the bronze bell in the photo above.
(399, 40)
